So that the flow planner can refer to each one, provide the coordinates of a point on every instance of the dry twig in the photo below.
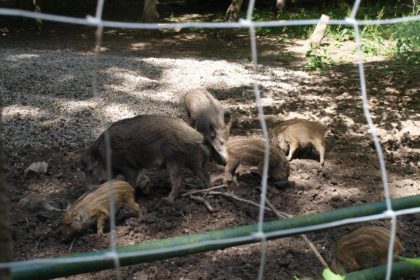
(71, 245)
(203, 190)
(202, 200)
(304, 237)
(232, 196)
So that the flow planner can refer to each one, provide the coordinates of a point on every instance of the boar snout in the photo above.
(217, 154)
(67, 233)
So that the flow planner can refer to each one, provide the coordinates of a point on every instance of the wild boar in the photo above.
(36, 202)
(95, 206)
(363, 248)
(149, 141)
(206, 115)
(292, 134)
(241, 150)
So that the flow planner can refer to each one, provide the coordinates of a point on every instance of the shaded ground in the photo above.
(49, 114)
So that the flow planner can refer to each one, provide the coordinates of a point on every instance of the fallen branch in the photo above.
(304, 237)
(203, 190)
(271, 208)
(202, 200)
(232, 196)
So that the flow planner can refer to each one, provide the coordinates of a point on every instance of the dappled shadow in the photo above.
(49, 113)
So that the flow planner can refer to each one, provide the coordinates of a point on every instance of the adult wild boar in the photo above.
(206, 115)
(149, 141)
(295, 133)
(248, 151)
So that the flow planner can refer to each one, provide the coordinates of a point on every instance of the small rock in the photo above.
(141, 275)
(305, 176)
(36, 168)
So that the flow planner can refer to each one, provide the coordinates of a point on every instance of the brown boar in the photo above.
(149, 141)
(95, 206)
(248, 151)
(363, 248)
(292, 134)
(206, 115)
(36, 202)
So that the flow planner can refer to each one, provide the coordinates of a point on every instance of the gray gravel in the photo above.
(48, 100)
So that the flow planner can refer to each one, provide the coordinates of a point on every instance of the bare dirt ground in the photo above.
(49, 114)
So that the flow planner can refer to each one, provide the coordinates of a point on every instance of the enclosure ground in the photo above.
(49, 114)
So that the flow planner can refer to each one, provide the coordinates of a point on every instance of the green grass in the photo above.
(401, 41)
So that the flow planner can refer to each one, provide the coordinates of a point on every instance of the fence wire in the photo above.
(249, 24)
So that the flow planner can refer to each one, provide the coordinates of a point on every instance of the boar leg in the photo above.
(204, 177)
(100, 224)
(319, 146)
(230, 170)
(350, 264)
(293, 146)
(134, 206)
(130, 175)
(176, 179)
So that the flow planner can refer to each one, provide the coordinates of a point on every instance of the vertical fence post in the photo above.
(5, 236)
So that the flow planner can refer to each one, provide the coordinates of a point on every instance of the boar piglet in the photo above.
(363, 248)
(95, 206)
(292, 134)
(206, 114)
(248, 151)
(149, 141)
(36, 202)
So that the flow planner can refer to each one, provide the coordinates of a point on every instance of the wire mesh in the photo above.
(249, 24)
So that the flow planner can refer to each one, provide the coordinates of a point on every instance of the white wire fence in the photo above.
(246, 23)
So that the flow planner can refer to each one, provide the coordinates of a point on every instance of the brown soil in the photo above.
(350, 175)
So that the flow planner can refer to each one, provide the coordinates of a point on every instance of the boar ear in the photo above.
(68, 207)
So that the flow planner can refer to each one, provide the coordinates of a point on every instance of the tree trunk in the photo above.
(5, 236)
(150, 13)
(319, 32)
(232, 13)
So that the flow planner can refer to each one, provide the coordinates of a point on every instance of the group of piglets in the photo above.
(131, 146)
(155, 141)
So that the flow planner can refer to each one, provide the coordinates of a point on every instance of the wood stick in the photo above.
(304, 237)
(203, 190)
(279, 214)
(318, 35)
(71, 245)
(232, 196)
(202, 200)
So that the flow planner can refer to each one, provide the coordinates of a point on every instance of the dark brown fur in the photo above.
(248, 151)
(363, 248)
(291, 134)
(205, 113)
(95, 206)
(149, 141)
